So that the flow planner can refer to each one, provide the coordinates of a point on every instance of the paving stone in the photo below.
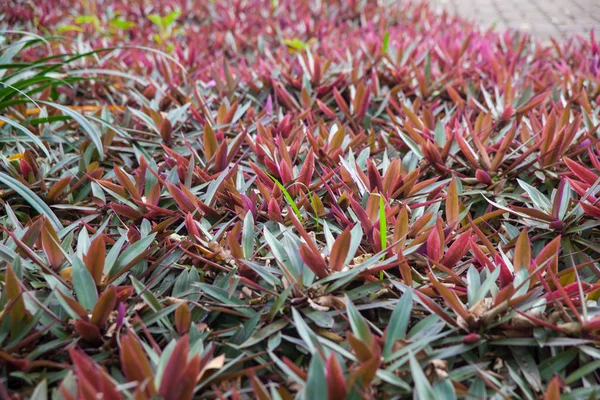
(541, 18)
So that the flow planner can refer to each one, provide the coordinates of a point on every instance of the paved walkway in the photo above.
(542, 18)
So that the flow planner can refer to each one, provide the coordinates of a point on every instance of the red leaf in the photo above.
(220, 158)
(452, 208)
(362, 351)
(92, 378)
(553, 391)
(187, 382)
(126, 211)
(259, 389)
(58, 188)
(435, 308)
(135, 364)
(51, 245)
(449, 296)
(106, 303)
(434, 243)
(75, 306)
(522, 256)
(483, 177)
(181, 199)
(581, 172)
(336, 383)
(95, 257)
(506, 277)
(88, 332)
(274, 211)
(549, 255)
(339, 251)
(180, 374)
(590, 210)
(127, 183)
(471, 338)
(313, 260)
(308, 168)
(183, 319)
(480, 256)
(457, 250)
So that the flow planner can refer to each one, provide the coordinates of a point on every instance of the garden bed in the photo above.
(268, 199)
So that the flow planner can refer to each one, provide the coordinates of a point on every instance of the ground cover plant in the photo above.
(265, 199)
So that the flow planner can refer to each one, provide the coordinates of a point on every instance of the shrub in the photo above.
(252, 199)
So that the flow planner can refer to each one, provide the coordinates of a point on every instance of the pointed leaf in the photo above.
(359, 327)
(316, 383)
(452, 210)
(339, 251)
(106, 303)
(522, 256)
(398, 324)
(85, 288)
(95, 258)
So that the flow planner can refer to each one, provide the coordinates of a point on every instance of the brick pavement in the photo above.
(542, 18)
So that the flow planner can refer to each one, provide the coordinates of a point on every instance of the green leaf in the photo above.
(161, 316)
(171, 17)
(146, 294)
(440, 134)
(382, 224)
(84, 285)
(29, 134)
(473, 286)
(539, 200)
(486, 286)
(268, 274)
(41, 391)
(296, 44)
(316, 383)
(31, 198)
(122, 24)
(283, 366)
(279, 301)
(263, 334)
(88, 19)
(248, 236)
(88, 128)
(565, 201)
(360, 329)
(214, 186)
(164, 359)
(350, 167)
(287, 195)
(398, 322)
(156, 20)
(524, 98)
(550, 366)
(306, 334)
(221, 295)
(423, 390)
(444, 390)
(113, 254)
(583, 371)
(411, 144)
(131, 253)
(386, 42)
(528, 367)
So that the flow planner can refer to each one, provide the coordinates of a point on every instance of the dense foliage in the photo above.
(309, 199)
